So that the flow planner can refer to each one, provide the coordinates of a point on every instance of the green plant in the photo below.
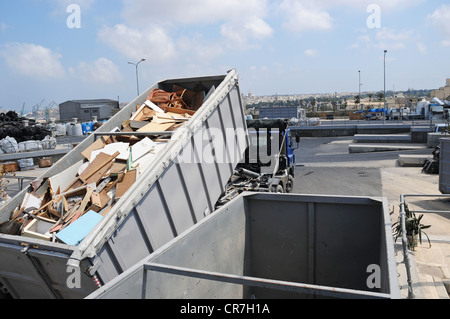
(414, 228)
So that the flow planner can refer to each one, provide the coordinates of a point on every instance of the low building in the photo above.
(86, 110)
(442, 93)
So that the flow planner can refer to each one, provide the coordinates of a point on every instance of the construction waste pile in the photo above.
(64, 208)
(21, 129)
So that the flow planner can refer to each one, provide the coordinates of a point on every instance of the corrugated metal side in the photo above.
(326, 241)
(31, 270)
(183, 195)
(177, 179)
(444, 166)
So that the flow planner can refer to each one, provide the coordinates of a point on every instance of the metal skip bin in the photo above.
(269, 246)
(178, 189)
(444, 166)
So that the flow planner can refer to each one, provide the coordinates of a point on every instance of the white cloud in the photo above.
(194, 12)
(393, 35)
(84, 4)
(391, 39)
(387, 39)
(445, 43)
(151, 43)
(32, 60)
(239, 22)
(422, 47)
(363, 4)
(4, 27)
(311, 53)
(197, 48)
(305, 16)
(101, 70)
(440, 19)
(308, 15)
(239, 34)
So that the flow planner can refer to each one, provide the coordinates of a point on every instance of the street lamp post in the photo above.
(384, 107)
(360, 105)
(137, 74)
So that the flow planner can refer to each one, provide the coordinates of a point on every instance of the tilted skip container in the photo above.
(268, 246)
(177, 190)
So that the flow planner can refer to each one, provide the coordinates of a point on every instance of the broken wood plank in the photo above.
(143, 113)
(175, 110)
(155, 127)
(154, 107)
(89, 190)
(110, 149)
(64, 179)
(100, 161)
(136, 125)
(97, 176)
(125, 184)
(98, 144)
(118, 167)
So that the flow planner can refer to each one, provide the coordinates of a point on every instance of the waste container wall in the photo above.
(273, 246)
(444, 166)
(176, 191)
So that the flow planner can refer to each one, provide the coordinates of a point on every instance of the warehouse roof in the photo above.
(91, 101)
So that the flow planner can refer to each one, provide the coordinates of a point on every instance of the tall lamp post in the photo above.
(137, 74)
(360, 105)
(384, 107)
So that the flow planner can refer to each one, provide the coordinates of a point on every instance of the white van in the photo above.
(440, 128)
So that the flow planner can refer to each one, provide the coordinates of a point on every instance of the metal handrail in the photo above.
(404, 238)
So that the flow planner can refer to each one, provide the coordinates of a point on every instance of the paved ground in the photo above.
(324, 166)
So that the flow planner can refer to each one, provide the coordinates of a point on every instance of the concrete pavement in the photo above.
(324, 166)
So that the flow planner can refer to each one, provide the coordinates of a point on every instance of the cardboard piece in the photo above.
(99, 200)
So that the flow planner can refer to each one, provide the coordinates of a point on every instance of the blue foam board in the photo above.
(75, 233)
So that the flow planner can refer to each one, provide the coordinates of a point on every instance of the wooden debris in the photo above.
(111, 165)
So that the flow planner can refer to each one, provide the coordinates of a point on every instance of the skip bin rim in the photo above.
(394, 290)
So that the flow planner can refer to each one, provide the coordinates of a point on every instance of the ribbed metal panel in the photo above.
(171, 196)
(444, 166)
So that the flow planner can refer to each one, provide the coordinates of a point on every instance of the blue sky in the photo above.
(48, 50)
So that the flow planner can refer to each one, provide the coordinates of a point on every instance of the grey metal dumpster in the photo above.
(444, 166)
(269, 246)
(178, 189)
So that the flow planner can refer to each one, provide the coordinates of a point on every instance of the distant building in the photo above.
(282, 112)
(86, 110)
(442, 93)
